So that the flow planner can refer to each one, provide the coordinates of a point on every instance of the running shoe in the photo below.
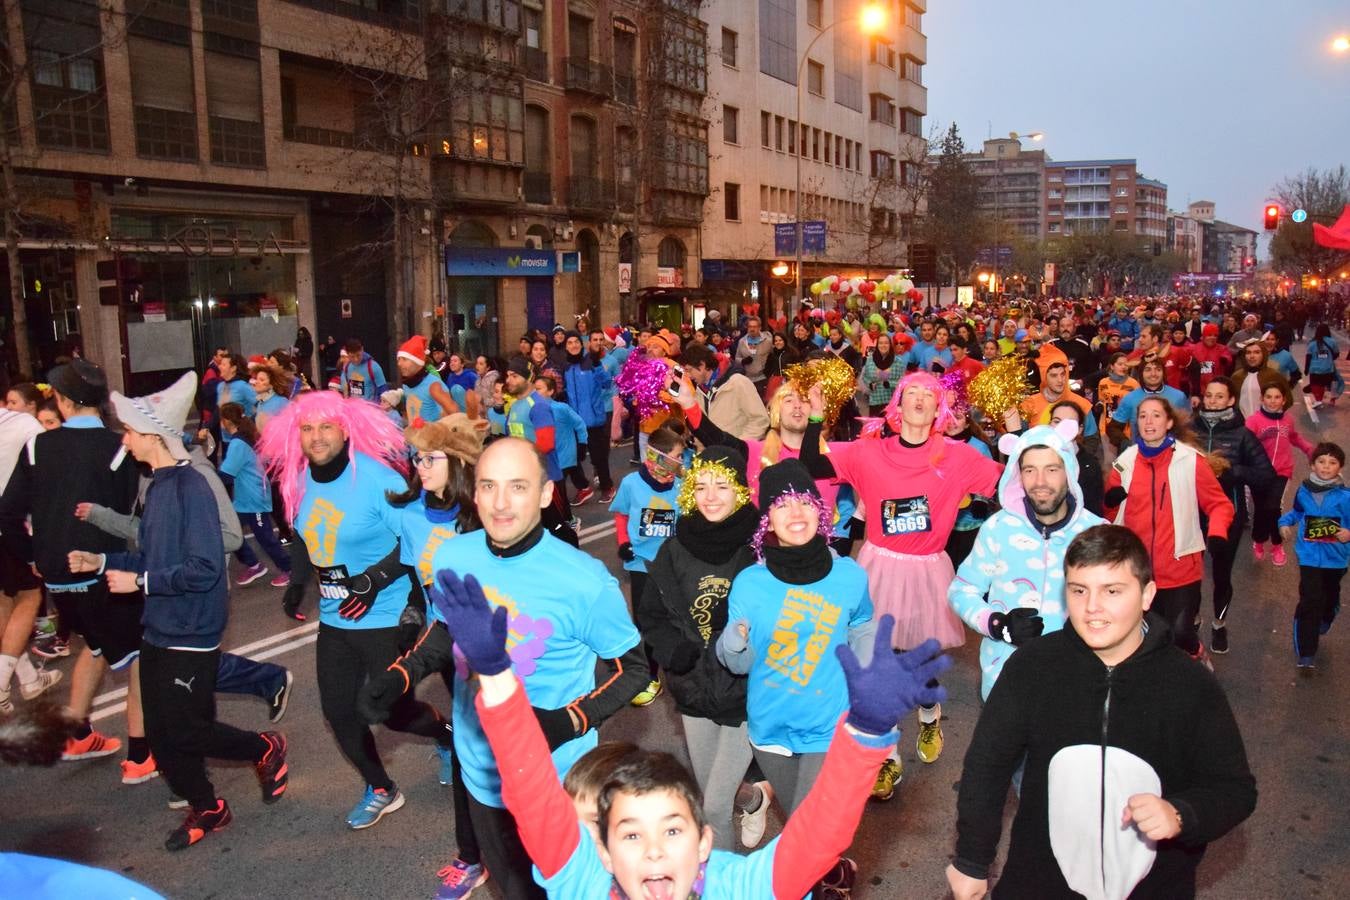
(282, 580)
(753, 823)
(45, 679)
(372, 807)
(276, 707)
(648, 694)
(251, 574)
(838, 882)
(447, 769)
(1258, 551)
(460, 879)
(607, 497)
(139, 772)
(929, 744)
(889, 776)
(91, 747)
(1218, 642)
(583, 496)
(1277, 555)
(273, 773)
(198, 825)
(177, 802)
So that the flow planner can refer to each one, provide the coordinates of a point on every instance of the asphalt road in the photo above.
(1295, 729)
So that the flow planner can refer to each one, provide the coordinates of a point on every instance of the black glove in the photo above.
(1115, 496)
(556, 725)
(979, 507)
(291, 600)
(684, 658)
(362, 589)
(626, 552)
(378, 695)
(581, 453)
(358, 603)
(410, 625)
(1216, 545)
(1016, 626)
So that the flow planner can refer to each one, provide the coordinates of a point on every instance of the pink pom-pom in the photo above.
(642, 379)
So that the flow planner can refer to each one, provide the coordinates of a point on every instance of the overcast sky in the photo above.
(1219, 100)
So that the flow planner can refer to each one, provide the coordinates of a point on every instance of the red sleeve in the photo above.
(822, 827)
(621, 528)
(1112, 481)
(544, 814)
(1213, 501)
(544, 438)
(693, 415)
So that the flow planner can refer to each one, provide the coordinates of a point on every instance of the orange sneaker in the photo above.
(91, 747)
(198, 825)
(139, 772)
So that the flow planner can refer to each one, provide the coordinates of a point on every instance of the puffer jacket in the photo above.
(1248, 464)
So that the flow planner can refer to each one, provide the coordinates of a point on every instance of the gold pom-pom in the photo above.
(1000, 387)
(837, 382)
(685, 500)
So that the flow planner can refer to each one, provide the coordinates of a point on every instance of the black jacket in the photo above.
(1248, 463)
(1159, 705)
(681, 616)
(67, 466)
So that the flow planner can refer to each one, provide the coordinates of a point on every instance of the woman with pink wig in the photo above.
(911, 480)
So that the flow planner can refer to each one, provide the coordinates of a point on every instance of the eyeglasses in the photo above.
(427, 460)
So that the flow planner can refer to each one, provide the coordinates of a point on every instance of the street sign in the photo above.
(1299, 215)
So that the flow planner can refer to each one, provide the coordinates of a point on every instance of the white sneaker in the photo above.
(753, 823)
(6, 704)
(46, 678)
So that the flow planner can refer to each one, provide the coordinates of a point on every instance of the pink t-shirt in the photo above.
(828, 487)
(912, 494)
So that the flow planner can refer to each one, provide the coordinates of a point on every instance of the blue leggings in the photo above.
(261, 526)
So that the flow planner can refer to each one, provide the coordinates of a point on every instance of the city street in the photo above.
(1294, 727)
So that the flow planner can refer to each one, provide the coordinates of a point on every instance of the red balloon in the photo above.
(867, 287)
(915, 294)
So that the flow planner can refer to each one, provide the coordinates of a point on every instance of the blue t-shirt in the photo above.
(270, 407)
(237, 391)
(40, 878)
(466, 380)
(348, 525)
(727, 876)
(526, 417)
(922, 355)
(569, 431)
(1129, 404)
(417, 400)
(651, 517)
(796, 689)
(251, 493)
(566, 613)
(363, 379)
(423, 532)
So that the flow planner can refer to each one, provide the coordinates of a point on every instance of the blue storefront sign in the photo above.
(571, 261)
(508, 261)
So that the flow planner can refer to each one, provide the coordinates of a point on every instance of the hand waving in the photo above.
(479, 630)
(893, 684)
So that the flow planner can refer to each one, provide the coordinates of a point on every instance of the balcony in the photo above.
(671, 208)
(539, 188)
(586, 192)
(536, 64)
(345, 140)
(588, 77)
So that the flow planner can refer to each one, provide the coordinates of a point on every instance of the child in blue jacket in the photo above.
(1319, 524)
(570, 439)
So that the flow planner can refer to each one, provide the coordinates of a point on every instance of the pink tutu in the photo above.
(914, 590)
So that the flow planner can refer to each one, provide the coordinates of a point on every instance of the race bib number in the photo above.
(1207, 368)
(1321, 529)
(333, 582)
(909, 515)
(657, 523)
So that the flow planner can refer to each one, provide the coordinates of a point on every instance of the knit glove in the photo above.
(378, 695)
(410, 625)
(626, 552)
(556, 725)
(893, 684)
(478, 629)
(1016, 626)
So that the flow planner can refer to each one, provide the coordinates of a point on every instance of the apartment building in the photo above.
(1104, 196)
(1012, 186)
(858, 139)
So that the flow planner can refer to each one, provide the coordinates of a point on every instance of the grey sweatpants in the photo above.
(790, 776)
(720, 754)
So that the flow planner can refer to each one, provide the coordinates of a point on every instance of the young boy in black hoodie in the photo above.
(1105, 710)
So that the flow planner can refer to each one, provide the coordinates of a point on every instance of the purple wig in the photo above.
(825, 514)
(368, 430)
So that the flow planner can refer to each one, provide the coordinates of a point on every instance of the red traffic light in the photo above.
(1272, 217)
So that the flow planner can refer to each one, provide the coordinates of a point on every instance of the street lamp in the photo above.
(998, 202)
(1340, 44)
(871, 20)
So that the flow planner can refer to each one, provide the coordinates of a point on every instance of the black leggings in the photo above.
(1266, 517)
(1319, 599)
(1221, 567)
(504, 853)
(344, 659)
(1179, 606)
(464, 833)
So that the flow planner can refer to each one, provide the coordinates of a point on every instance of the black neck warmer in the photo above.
(531, 538)
(717, 542)
(330, 470)
(415, 380)
(806, 564)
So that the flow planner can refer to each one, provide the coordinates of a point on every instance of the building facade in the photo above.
(1210, 245)
(859, 140)
(1104, 196)
(1012, 187)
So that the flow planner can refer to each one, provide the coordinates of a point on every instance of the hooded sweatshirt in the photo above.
(1036, 408)
(1017, 561)
(1319, 512)
(1277, 434)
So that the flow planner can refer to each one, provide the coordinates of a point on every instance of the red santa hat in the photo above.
(414, 349)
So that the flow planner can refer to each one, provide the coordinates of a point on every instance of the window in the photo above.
(234, 109)
(883, 164)
(829, 139)
(848, 154)
(792, 137)
(815, 144)
(534, 28)
(806, 137)
(1055, 195)
(911, 122)
(848, 66)
(732, 196)
(815, 12)
(578, 36)
(164, 100)
(765, 130)
(881, 109)
(778, 39)
(1122, 210)
(815, 77)
(731, 117)
(778, 133)
(913, 18)
(1122, 176)
(1055, 178)
(1122, 225)
(728, 47)
(882, 53)
(1122, 192)
(913, 70)
(488, 122)
(69, 106)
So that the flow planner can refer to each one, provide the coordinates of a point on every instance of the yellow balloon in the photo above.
(816, 288)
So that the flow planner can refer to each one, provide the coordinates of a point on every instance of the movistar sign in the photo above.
(493, 261)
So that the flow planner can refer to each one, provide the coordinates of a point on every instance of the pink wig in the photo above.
(368, 429)
(891, 417)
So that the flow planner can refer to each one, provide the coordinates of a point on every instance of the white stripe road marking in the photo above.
(304, 635)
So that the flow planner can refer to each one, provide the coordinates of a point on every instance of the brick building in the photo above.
(1104, 196)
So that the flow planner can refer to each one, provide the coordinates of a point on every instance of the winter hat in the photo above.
(392, 398)
(453, 435)
(80, 381)
(719, 460)
(519, 365)
(783, 481)
(414, 349)
(1209, 330)
(612, 334)
(257, 361)
(162, 414)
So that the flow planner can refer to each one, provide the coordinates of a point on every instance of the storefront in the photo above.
(473, 275)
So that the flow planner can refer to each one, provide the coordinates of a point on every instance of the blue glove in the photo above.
(479, 630)
(893, 684)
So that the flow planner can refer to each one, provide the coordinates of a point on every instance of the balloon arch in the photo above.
(854, 292)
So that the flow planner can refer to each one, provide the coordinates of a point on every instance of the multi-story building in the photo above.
(1103, 196)
(1012, 187)
(1210, 245)
(858, 138)
(1184, 238)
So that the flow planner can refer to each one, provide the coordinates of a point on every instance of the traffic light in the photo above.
(1272, 217)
